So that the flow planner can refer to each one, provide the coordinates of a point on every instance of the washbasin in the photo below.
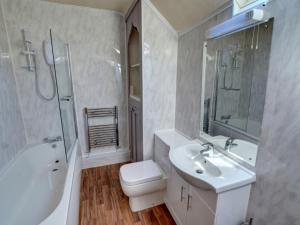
(200, 161)
(202, 165)
(208, 170)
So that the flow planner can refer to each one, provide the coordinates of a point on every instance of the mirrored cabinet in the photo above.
(234, 89)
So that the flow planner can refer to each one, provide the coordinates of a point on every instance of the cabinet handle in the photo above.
(181, 194)
(188, 202)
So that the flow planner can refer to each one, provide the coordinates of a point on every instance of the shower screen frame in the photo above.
(69, 98)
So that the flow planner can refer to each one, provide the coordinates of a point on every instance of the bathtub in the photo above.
(38, 187)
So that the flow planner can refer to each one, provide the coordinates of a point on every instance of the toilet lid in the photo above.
(140, 172)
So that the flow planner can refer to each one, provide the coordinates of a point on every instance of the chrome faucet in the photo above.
(208, 146)
(229, 143)
(50, 140)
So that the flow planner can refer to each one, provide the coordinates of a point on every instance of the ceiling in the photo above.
(181, 14)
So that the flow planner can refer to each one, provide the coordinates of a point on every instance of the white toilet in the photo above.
(144, 183)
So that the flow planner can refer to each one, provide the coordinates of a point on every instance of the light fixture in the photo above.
(239, 22)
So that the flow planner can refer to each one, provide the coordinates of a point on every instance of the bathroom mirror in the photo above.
(234, 87)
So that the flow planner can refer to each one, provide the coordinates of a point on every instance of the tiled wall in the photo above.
(275, 197)
(96, 39)
(159, 76)
(12, 133)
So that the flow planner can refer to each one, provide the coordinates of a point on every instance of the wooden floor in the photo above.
(102, 201)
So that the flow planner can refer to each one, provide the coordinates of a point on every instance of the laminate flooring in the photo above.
(102, 201)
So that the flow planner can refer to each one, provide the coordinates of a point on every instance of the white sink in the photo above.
(200, 163)
(209, 171)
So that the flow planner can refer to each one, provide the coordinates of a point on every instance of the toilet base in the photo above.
(139, 203)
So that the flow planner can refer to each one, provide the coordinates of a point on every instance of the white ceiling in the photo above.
(181, 14)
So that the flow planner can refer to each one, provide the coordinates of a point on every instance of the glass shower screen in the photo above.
(62, 67)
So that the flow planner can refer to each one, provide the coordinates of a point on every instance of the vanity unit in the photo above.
(204, 186)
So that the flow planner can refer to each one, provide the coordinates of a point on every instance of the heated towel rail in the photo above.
(100, 134)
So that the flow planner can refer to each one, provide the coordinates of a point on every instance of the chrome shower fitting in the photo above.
(51, 140)
(28, 52)
(31, 58)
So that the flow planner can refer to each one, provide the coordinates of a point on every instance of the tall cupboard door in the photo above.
(134, 72)
(133, 133)
(198, 212)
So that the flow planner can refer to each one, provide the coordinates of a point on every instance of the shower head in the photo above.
(54, 51)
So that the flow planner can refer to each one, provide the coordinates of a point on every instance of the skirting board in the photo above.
(105, 158)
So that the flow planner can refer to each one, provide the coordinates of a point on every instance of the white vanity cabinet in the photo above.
(198, 211)
(177, 197)
(183, 201)
(190, 205)
(186, 205)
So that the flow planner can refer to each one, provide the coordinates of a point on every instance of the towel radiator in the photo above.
(101, 134)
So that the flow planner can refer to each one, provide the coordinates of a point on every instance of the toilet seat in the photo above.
(140, 173)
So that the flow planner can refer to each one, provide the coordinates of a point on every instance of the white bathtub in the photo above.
(36, 189)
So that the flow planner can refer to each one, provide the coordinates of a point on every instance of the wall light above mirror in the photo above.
(235, 74)
(240, 6)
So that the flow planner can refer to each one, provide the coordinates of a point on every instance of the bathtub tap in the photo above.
(52, 139)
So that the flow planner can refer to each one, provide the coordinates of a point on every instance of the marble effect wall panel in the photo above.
(159, 76)
(96, 39)
(276, 195)
(189, 79)
(41, 119)
(12, 132)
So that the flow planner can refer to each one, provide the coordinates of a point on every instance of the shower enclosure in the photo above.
(35, 170)
(56, 54)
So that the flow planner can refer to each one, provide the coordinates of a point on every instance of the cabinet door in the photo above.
(139, 134)
(177, 192)
(135, 133)
(198, 212)
(132, 133)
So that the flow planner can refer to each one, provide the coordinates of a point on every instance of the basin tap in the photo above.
(229, 143)
(202, 153)
(52, 139)
(208, 146)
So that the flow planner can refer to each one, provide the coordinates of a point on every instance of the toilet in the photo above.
(144, 183)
